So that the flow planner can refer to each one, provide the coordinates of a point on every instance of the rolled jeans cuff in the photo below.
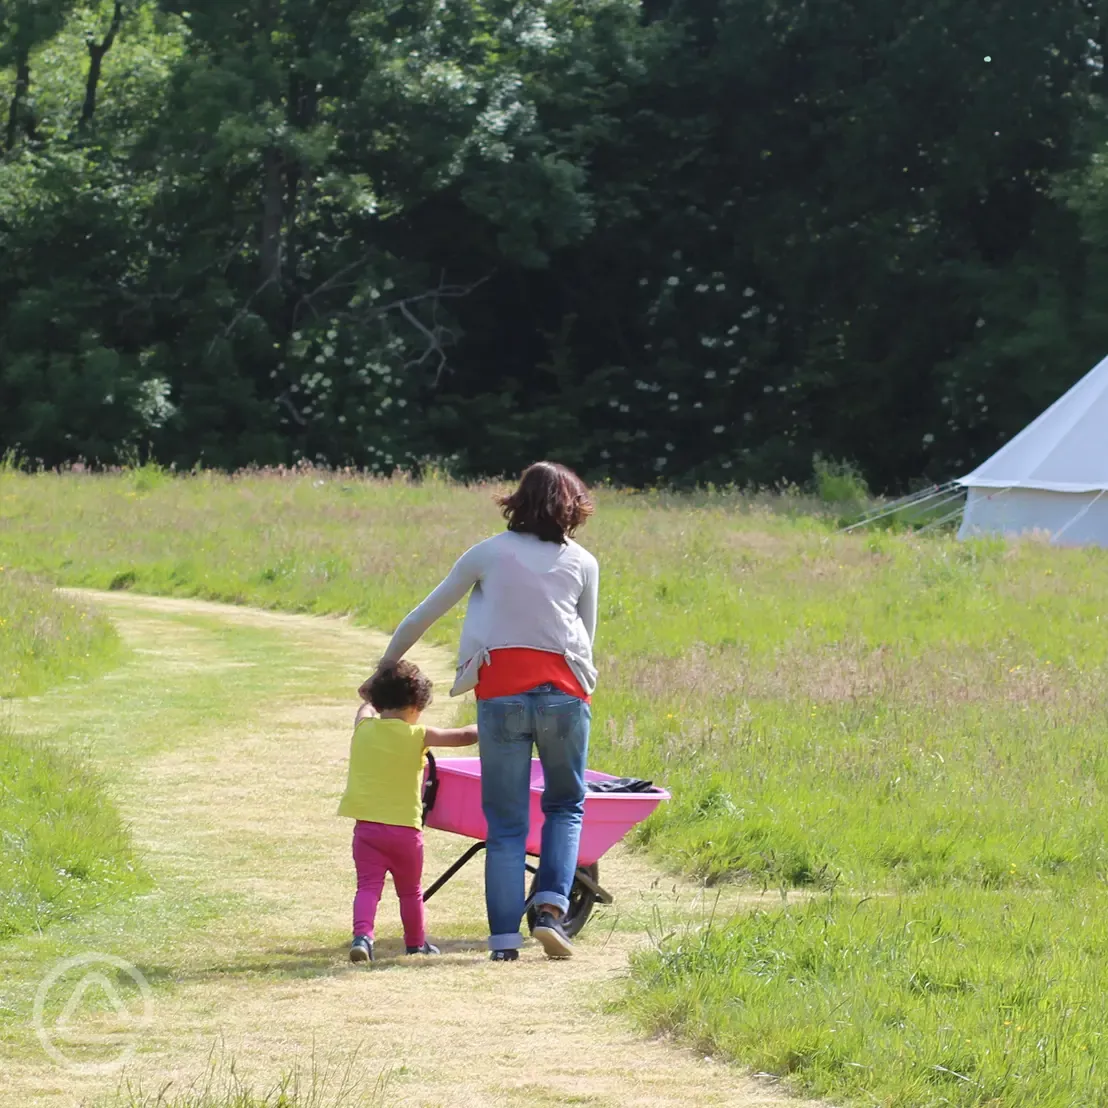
(554, 900)
(506, 942)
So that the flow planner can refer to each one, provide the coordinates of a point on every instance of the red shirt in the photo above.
(514, 669)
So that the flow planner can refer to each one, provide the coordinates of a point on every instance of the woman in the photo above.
(526, 651)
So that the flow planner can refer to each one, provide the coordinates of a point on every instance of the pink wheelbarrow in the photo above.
(452, 802)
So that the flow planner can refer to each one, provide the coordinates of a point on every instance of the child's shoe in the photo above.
(361, 949)
(550, 932)
(504, 956)
(427, 948)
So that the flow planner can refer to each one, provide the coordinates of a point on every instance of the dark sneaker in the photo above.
(504, 956)
(550, 932)
(427, 948)
(361, 949)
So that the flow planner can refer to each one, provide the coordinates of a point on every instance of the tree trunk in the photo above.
(273, 215)
(19, 95)
(303, 103)
(96, 52)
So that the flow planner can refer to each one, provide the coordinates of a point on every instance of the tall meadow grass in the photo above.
(45, 639)
(323, 1082)
(63, 847)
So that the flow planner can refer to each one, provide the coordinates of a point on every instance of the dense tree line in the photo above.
(675, 239)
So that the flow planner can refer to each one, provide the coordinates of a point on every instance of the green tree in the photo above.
(683, 240)
(812, 207)
(73, 381)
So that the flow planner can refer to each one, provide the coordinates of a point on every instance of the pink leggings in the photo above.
(381, 848)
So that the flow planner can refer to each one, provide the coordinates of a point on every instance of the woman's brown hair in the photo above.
(550, 503)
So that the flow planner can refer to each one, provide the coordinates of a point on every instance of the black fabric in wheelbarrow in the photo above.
(622, 785)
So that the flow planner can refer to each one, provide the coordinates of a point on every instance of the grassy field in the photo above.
(63, 848)
(911, 727)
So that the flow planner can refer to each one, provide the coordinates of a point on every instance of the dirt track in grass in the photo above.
(224, 739)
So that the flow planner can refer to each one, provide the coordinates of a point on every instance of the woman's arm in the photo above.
(588, 600)
(467, 571)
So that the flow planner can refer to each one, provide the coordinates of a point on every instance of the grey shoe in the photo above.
(504, 956)
(361, 949)
(427, 948)
(550, 932)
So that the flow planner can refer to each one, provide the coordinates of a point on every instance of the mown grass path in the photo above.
(224, 740)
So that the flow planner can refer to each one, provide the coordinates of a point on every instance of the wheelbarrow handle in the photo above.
(430, 786)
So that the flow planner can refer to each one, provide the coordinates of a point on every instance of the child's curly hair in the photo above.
(398, 685)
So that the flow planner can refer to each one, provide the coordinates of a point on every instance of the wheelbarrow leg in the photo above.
(467, 856)
(584, 877)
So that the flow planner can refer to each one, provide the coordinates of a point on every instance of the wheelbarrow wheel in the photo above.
(582, 900)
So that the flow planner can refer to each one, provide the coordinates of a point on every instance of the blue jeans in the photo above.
(558, 725)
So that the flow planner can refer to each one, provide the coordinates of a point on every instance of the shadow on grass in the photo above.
(292, 964)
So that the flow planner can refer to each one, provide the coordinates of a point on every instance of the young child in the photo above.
(384, 795)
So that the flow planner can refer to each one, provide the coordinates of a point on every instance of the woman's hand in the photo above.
(363, 690)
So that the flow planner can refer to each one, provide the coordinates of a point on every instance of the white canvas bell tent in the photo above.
(1052, 477)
